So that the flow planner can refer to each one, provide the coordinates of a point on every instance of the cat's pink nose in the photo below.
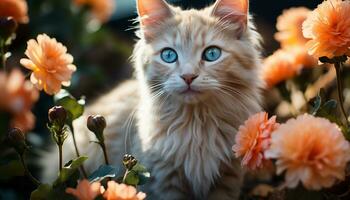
(189, 78)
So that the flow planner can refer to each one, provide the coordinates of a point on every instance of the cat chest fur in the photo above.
(194, 143)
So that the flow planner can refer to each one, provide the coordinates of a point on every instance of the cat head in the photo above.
(190, 55)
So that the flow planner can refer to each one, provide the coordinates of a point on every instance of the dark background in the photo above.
(102, 59)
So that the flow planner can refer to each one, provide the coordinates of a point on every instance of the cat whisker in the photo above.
(241, 103)
(231, 89)
(129, 122)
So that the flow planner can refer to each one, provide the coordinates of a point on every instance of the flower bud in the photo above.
(15, 138)
(58, 115)
(97, 124)
(129, 161)
(7, 27)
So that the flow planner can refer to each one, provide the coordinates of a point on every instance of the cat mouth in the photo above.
(190, 91)
(191, 96)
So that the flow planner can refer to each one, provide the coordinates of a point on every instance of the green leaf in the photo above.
(104, 171)
(132, 178)
(330, 106)
(69, 170)
(316, 104)
(43, 192)
(328, 111)
(74, 107)
(11, 169)
(142, 172)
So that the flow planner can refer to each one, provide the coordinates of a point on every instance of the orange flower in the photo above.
(311, 150)
(301, 58)
(253, 138)
(289, 25)
(15, 8)
(85, 190)
(50, 63)
(328, 28)
(18, 98)
(279, 67)
(102, 9)
(117, 191)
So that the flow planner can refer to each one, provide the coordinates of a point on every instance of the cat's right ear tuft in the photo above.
(233, 11)
(152, 12)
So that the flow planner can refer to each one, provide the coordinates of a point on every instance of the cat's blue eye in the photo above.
(212, 53)
(168, 55)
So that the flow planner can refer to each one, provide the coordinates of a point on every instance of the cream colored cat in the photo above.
(197, 81)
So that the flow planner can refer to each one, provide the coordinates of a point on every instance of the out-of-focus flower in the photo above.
(17, 9)
(327, 27)
(117, 191)
(279, 67)
(15, 138)
(285, 64)
(311, 150)
(289, 26)
(102, 9)
(18, 97)
(253, 139)
(85, 190)
(301, 58)
(50, 63)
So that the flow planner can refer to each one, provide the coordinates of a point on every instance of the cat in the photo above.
(197, 79)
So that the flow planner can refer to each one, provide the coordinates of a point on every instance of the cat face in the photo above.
(191, 55)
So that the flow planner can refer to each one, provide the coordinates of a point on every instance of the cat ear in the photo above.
(151, 12)
(234, 11)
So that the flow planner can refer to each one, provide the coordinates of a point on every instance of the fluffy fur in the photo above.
(185, 139)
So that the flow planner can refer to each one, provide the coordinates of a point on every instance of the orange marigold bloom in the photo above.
(117, 191)
(102, 9)
(279, 67)
(301, 58)
(50, 63)
(289, 25)
(311, 150)
(18, 97)
(85, 190)
(17, 9)
(328, 28)
(253, 138)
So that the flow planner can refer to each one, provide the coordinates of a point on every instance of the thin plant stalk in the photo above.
(124, 177)
(27, 172)
(74, 140)
(60, 156)
(103, 147)
(337, 66)
(76, 149)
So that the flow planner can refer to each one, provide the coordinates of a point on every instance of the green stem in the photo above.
(27, 172)
(74, 140)
(126, 173)
(103, 146)
(337, 66)
(60, 156)
(76, 149)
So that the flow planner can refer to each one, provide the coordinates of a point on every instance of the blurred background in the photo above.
(101, 51)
